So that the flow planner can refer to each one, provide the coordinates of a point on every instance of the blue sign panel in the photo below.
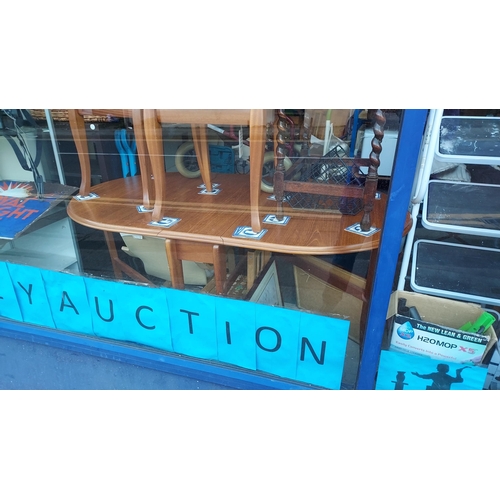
(129, 312)
(401, 371)
(192, 319)
(235, 321)
(9, 306)
(278, 341)
(30, 292)
(322, 344)
(68, 302)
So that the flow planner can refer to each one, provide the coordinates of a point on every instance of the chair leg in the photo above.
(202, 153)
(144, 160)
(113, 253)
(119, 267)
(220, 273)
(77, 126)
(175, 264)
(154, 137)
(257, 145)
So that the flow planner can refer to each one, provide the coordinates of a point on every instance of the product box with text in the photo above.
(437, 333)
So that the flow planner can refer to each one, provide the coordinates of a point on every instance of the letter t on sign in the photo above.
(189, 313)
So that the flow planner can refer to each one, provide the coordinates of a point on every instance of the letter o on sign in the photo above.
(259, 343)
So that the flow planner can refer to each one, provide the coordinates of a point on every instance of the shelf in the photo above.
(460, 207)
(473, 140)
(461, 272)
(50, 246)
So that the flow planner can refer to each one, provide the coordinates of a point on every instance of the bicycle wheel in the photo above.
(266, 184)
(186, 162)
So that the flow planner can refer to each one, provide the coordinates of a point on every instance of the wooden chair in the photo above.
(328, 183)
(148, 132)
(256, 119)
(77, 126)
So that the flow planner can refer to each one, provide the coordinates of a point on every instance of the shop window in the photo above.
(150, 230)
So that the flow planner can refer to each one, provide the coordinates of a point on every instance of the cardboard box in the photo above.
(323, 288)
(338, 120)
(437, 335)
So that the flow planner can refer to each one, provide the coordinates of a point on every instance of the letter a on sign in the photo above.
(68, 302)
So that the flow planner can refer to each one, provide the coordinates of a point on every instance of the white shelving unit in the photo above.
(457, 271)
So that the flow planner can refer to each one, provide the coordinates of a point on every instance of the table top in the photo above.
(214, 218)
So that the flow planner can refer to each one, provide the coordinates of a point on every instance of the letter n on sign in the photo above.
(321, 350)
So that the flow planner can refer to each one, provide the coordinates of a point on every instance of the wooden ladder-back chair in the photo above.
(329, 183)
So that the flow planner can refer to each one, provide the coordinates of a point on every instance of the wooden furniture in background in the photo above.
(302, 178)
(210, 222)
(77, 125)
(256, 119)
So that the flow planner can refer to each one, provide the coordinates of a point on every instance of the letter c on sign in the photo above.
(138, 318)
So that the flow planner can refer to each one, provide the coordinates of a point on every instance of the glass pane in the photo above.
(166, 234)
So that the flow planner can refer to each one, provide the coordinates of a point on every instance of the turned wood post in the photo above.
(372, 177)
(279, 172)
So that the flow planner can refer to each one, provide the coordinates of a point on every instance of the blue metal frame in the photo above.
(405, 162)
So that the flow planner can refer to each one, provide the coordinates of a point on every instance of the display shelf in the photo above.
(461, 207)
(461, 272)
(470, 139)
